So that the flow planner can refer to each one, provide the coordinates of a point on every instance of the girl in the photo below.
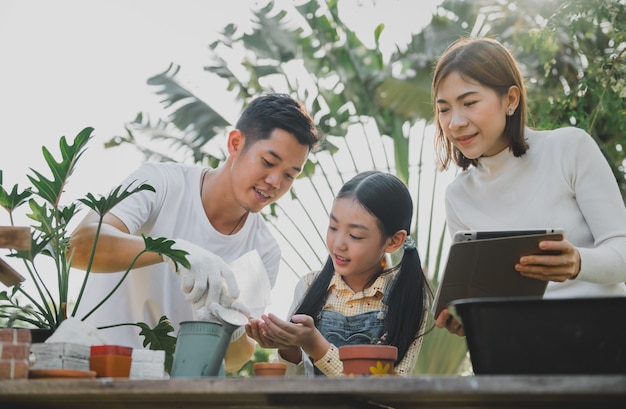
(357, 298)
(514, 177)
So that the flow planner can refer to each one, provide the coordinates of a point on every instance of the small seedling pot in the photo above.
(269, 369)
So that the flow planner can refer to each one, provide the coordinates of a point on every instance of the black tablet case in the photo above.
(486, 268)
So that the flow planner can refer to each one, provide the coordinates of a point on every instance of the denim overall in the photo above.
(365, 328)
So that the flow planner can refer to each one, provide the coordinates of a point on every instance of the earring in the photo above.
(510, 112)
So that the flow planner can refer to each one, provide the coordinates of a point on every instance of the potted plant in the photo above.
(269, 368)
(368, 359)
(44, 308)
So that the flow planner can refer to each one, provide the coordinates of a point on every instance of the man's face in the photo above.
(263, 172)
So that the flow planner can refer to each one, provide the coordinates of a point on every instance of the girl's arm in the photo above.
(330, 364)
(286, 335)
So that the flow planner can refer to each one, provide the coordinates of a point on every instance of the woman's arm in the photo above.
(602, 207)
(602, 218)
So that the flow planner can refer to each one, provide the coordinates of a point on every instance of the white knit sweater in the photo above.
(563, 180)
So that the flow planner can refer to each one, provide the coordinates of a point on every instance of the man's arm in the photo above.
(116, 247)
(238, 353)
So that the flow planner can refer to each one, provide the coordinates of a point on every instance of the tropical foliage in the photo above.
(49, 251)
(570, 51)
(374, 109)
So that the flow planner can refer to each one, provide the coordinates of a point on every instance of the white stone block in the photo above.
(147, 364)
(60, 355)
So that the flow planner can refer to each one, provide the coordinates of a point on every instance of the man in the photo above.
(213, 214)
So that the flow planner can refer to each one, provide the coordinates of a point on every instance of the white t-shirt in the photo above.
(175, 211)
(563, 180)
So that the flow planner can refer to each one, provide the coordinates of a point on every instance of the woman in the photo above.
(514, 177)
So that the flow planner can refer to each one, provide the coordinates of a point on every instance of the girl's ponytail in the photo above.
(407, 301)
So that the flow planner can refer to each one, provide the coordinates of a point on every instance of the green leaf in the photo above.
(377, 32)
(51, 190)
(103, 204)
(13, 200)
(4, 296)
(157, 339)
(38, 243)
(42, 214)
(163, 246)
(193, 114)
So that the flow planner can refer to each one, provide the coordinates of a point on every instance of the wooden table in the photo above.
(535, 392)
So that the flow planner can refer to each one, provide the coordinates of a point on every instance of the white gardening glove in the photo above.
(210, 312)
(208, 280)
(215, 312)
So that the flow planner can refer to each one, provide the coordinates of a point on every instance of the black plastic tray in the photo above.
(545, 336)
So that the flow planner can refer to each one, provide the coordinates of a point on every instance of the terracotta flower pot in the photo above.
(111, 361)
(368, 359)
(269, 368)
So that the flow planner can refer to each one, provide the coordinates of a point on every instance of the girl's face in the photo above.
(472, 116)
(355, 242)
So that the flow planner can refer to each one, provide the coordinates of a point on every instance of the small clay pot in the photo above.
(111, 361)
(368, 360)
(269, 368)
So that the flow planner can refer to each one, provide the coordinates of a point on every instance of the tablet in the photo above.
(469, 235)
(485, 267)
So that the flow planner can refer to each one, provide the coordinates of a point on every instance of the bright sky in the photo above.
(69, 64)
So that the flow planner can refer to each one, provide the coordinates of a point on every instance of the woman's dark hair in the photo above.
(387, 198)
(489, 63)
(272, 111)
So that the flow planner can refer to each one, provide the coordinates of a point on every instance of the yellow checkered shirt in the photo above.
(344, 300)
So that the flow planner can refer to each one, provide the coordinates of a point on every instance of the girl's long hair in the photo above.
(387, 198)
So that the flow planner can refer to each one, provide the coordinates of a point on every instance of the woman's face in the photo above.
(355, 242)
(472, 116)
